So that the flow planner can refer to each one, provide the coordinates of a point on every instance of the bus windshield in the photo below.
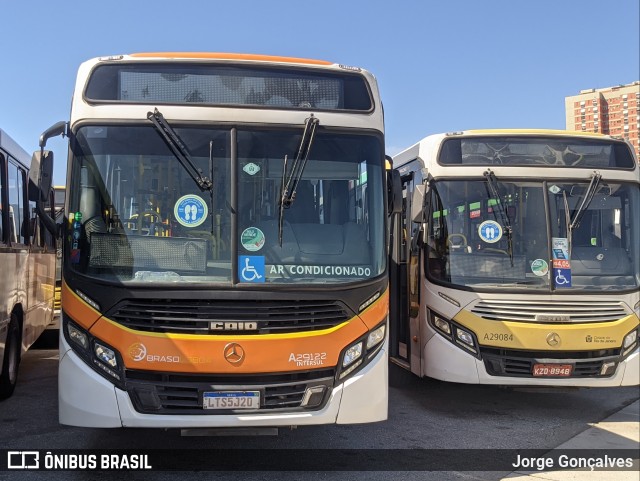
(477, 241)
(137, 216)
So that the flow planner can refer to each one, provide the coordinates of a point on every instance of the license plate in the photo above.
(552, 370)
(231, 400)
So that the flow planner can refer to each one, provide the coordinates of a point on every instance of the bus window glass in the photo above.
(16, 204)
(604, 245)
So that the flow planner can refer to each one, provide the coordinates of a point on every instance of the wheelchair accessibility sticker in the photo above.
(251, 268)
(490, 231)
(190, 210)
(562, 277)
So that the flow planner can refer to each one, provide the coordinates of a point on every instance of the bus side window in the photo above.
(16, 182)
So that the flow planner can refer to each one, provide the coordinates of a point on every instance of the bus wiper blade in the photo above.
(290, 183)
(179, 150)
(290, 186)
(492, 190)
(586, 200)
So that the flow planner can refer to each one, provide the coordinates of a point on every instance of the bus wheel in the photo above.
(9, 374)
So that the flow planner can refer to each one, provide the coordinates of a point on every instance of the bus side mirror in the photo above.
(40, 175)
(394, 193)
(417, 204)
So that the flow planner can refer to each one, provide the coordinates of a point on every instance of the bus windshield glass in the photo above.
(536, 151)
(137, 216)
(468, 243)
(222, 85)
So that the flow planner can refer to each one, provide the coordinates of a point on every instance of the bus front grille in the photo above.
(224, 316)
(550, 311)
(514, 363)
(153, 393)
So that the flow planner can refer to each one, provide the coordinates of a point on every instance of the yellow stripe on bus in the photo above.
(535, 337)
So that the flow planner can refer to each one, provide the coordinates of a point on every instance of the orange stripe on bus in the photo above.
(207, 354)
(230, 56)
(81, 312)
(376, 312)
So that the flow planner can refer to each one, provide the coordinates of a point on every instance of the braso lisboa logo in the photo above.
(137, 351)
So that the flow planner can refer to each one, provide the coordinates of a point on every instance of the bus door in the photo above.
(404, 272)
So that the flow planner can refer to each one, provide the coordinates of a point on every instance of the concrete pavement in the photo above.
(618, 431)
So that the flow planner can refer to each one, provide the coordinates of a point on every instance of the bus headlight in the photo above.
(376, 336)
(462, 337)
(77, 336)
(106, 355)
(362, 351)
(352, 354)
(104, 359)
(630, 339)
(630, 342)
(442, 325)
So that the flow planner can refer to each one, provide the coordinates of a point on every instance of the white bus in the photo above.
(225, 247)
(517, 259)
(27, 257)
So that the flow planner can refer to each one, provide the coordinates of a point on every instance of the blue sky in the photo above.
(441, 65)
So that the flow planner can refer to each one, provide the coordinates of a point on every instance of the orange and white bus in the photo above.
(225, 244)
(27, 257)
(517, 259)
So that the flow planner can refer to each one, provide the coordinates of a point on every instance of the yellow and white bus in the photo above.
(27, 257)
(517, 259)
(225, 244)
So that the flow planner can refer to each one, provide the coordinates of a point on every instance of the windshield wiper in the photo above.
(586, 200)
(492, 190)
(574, 223)
(290, 183)
(179, 150)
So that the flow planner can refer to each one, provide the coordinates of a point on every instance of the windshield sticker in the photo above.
(318, 271)
(490, 231)
(252, 239)
(540, 267)
(251, 168)
(554, 189)
(251, 268)
(562, 277)
(560, 248)
(190, 210)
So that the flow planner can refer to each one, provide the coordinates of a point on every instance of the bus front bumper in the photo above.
(87, 399)
(447, 362)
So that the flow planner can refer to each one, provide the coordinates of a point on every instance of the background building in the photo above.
(611, 110)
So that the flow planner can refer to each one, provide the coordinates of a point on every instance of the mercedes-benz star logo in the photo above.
(234, 353)
(553, 339)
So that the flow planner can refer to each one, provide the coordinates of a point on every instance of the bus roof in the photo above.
(228, 56)
(13, 148)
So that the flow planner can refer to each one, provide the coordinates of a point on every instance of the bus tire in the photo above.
(11, 362)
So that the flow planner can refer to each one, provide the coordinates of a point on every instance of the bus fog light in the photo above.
(465, 337)
(106, 355)
(376, 336)
(630, 339)
(77, 336)
(352, 354)
(442, 325)
(313, 396)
